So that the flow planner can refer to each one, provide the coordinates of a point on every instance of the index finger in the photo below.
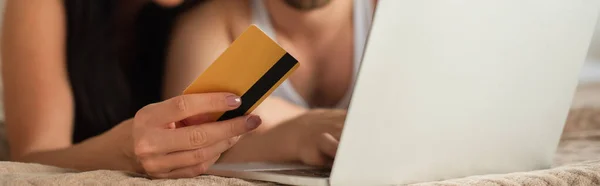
(200, 136)
(184, 106)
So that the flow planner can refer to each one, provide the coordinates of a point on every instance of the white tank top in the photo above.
(362, 16)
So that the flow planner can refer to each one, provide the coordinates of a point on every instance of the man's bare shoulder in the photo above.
(230, 15)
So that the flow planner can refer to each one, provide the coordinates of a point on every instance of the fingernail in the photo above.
(253, 122)
(233, 101)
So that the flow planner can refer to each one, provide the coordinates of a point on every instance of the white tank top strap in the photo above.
(261, 18)
(362, 16)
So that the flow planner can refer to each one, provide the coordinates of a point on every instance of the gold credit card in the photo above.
(252, 67)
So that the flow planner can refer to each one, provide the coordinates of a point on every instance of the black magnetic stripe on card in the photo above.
(262, 86)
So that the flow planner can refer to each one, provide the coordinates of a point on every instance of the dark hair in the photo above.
(107, 87)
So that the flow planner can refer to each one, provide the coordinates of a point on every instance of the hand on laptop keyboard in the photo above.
(311, 138)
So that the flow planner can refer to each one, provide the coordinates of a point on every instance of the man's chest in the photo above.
(325, 73)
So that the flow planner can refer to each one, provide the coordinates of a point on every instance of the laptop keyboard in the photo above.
(319, 173)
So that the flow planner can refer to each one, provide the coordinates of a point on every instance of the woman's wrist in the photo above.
(110, 150)
(121, 137)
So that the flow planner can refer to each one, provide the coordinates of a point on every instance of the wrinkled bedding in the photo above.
(577, 161)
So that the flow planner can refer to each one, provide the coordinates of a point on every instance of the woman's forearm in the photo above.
(101, 152)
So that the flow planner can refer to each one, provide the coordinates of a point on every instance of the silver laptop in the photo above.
(453, 88)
